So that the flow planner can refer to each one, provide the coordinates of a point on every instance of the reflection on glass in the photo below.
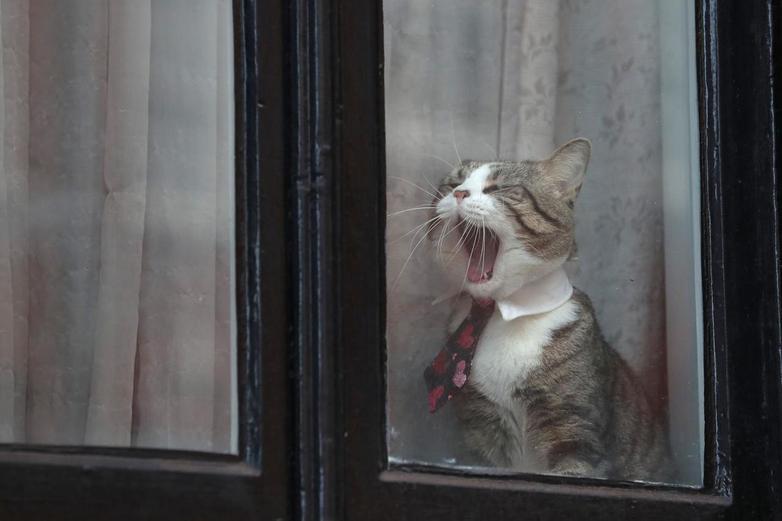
(489, 194)
(117, 315)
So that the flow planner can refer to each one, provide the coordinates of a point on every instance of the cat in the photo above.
(545, 392)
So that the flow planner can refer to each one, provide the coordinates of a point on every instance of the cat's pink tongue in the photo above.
(481, 264)
(474, 273)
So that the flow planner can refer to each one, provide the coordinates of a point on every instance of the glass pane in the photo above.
(535, 147)
(117, 314)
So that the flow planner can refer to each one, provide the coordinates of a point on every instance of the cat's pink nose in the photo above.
(461, 194)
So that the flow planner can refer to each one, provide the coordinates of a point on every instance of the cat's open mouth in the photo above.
(481, 247)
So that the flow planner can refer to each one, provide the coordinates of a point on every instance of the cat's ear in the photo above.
(566, 167)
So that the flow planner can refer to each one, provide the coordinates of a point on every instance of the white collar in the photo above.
(538, 296)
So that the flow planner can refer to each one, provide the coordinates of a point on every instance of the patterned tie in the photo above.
(448, 372)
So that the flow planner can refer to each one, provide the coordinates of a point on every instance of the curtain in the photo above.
(513, 79)
(116, 224)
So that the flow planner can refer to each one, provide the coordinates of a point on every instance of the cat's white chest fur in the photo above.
(508, 350)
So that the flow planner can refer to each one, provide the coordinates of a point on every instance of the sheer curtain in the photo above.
(116, 224)
(513, 79)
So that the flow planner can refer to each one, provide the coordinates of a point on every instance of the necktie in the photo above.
(448, 372)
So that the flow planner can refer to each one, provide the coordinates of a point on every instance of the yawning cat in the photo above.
(537, 388)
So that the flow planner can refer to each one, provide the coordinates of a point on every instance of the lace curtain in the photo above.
(116, 223)
(513, 79)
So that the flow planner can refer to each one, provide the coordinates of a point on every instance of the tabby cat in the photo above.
(545, 392)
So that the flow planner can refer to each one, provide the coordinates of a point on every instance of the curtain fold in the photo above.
(6, 299)
(66, 195)
(14, 25)
(174, 393)
(116, 224)
(122, 224)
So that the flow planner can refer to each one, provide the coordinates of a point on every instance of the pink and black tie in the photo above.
(449, 371)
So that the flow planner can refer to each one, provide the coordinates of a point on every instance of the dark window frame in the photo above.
(737, 62)
(57, 482)
(310, 173)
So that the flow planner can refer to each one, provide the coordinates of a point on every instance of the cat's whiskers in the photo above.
(415, 144)
(407, 261)
(414, 230)
(439, 159)
(456, 227)
(467, 270)
(427, 192)
(415, 208)
(483, 248)
(453, 139)
(426, 231)
(433, 187)
(494, 151)
(442, 236)
(465, 230)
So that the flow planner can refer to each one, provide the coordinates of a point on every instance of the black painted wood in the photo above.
(38, 482)
(717, 434)
(310, 162)
(312, 268)
(737, 66)
(748, 69)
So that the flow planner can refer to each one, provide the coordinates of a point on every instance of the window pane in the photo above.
(497, 208)
(117, 314)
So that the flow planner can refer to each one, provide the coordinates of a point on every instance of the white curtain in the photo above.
(511, 79)
(116, 224)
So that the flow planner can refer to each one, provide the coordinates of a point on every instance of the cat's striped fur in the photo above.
(583, 410)
(569, 404)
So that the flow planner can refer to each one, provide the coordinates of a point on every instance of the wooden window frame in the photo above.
(310, 254)
(350, 478)
(56, 482)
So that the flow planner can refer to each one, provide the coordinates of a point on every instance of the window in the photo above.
(312, 168)
(512, 84)
(733, 210)
(120, 304)
(131, 191)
